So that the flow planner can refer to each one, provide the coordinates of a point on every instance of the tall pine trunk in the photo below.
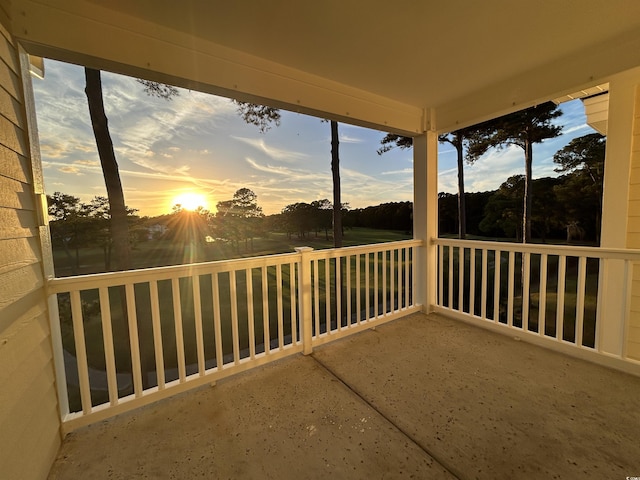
(462, 208)
(528, 194)
(335, 171)
(119, 225)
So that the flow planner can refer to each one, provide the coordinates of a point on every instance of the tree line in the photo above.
(523, 129)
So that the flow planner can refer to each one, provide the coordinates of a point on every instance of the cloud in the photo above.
(272, 152)
(291, 175)
(347, 139)
(404, 171)
(70, 169)
(86, 162)
(576, 128)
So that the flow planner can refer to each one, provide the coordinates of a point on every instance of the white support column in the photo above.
(425, 217)
(615, 210)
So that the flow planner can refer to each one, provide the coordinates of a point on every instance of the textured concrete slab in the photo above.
(490, 407)
(288, 420)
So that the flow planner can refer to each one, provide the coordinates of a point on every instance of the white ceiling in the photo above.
(423, 53)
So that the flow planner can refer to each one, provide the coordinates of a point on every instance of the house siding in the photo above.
(29, 418)
(633, 234)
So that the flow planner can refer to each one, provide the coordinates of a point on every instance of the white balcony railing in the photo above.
(129, 338)
(548, 294)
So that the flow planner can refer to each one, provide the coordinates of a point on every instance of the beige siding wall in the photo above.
(633, 233)
(29, 422)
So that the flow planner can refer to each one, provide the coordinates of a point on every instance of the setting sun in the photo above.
(190, 200)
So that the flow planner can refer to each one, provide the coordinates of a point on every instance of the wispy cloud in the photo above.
(343, 138)
(70, 169)
(272, 152)
(404, 171)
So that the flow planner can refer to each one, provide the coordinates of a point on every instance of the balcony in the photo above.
(382, 388)
(419, 397)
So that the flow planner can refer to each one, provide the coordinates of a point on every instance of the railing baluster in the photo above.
(293, 302)
(391, 282)
(483, 287)
(358, 288)
(327, 295)
(347, 262)
(526, 274)
(510, 290)
(109, 354)
(582, 274)
(248, 274)
(407, 264)
(367, 286)
(265, 310)
(603, 280)
(384, 282)
(197, 310)
(562, 272)
(338, 281)
(441, 275)
(497, 270)
(399, 282)
(279, 305)
(157, 333)
(542, 295)
(450, 273)
(375, 283)
(472, 281)
(177, 317)
(233, 293)
(461, 261)
(316, 295)
(81, 351)
(628, 290)
(134, 342)
(217, 327)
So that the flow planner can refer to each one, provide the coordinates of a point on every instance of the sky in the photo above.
(197, 144)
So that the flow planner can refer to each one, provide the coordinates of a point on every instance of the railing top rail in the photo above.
(567, 250)
(376, 247)
(109, 279)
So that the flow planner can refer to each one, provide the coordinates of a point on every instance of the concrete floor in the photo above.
(422, 397)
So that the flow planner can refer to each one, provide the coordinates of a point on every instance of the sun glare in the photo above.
(190, 200)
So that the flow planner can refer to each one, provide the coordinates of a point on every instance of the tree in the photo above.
(584, 158)
(259, 115)
(98, 212)
(470, 144)
(111, 173)
(99, 122)
(298, 219)
(524, 129)
(67, 225)
(503, 212)
(237, 219)
(322, 216)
